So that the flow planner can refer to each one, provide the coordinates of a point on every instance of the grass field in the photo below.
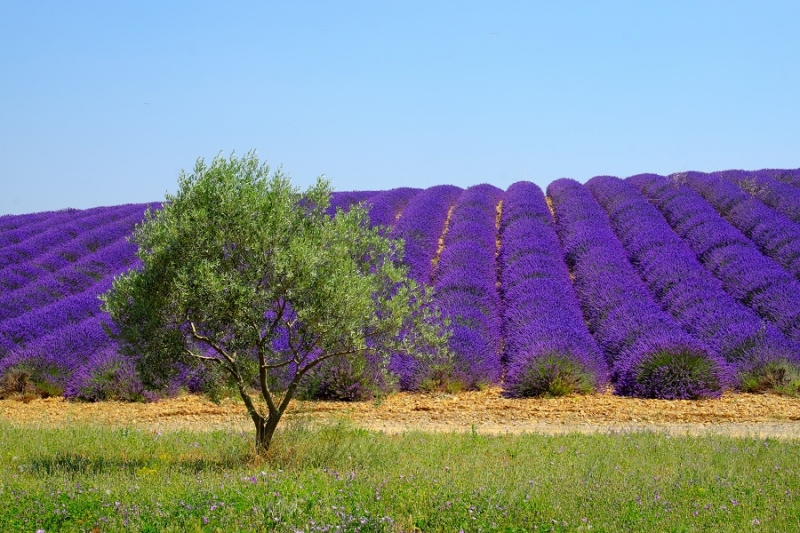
(338, 478)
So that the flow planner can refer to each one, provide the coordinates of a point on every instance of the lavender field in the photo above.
(669, 287)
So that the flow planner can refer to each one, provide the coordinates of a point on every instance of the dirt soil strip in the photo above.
(484, 411)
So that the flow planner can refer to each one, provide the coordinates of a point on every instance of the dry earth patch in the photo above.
(760, 415)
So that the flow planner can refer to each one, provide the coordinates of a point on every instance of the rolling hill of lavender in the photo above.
(614, 278)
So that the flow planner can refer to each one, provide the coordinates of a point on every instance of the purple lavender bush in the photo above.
(420, 227)
(650, 355)
(762, 184)
(694, 297)
(465, 284)
(547, 348)
(385, 208)
(107, 375)
(746, 274)
(33, 226)
(777, 236)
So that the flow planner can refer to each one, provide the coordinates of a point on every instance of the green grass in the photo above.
(93, 478)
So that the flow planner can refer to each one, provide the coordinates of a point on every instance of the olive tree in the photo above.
(250, 278)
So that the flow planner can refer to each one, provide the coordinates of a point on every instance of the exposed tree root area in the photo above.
(757, 415)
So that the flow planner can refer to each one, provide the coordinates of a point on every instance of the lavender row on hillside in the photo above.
(776, 235)
(745, 272)
(55, 235)
(780, 196)
(386, 207)
(13, 222)
(547, 347)
(16, 333)
(343, 200)
(80, 360)
(648, 352)
(56, 258)
(53, 357)
(21, 227)
(789, 177)
(82, 219)
(420, 227)
(688, 291)
(465, 282)
(71, 279)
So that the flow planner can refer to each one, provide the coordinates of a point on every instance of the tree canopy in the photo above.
(250, 279)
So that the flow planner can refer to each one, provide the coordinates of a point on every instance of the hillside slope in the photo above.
(667, 287)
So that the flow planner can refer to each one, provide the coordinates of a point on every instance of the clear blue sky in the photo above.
(104, 103)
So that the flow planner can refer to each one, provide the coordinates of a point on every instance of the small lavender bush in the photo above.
(347, 379)
(781, 376)
(550, 376)
(107, 375)
(674, 374)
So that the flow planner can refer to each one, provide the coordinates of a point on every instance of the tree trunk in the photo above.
(265, 428)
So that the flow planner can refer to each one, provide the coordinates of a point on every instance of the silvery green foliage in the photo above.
(366, 378)
(242, 272)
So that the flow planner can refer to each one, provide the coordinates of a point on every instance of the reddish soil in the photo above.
(487, 411)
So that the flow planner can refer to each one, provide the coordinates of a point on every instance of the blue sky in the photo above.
(103, 103)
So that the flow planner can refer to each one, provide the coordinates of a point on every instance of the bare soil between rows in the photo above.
(754, 415)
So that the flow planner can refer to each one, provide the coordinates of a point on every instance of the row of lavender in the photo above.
(667, 328)
(53, 267)
(669, 299)
(686, 290)
(547, 346)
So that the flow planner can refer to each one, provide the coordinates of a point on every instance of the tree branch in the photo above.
(262, 379)
(323, 358)
(279, 365)
(248, 401)
(211, 343)
(209, 358)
